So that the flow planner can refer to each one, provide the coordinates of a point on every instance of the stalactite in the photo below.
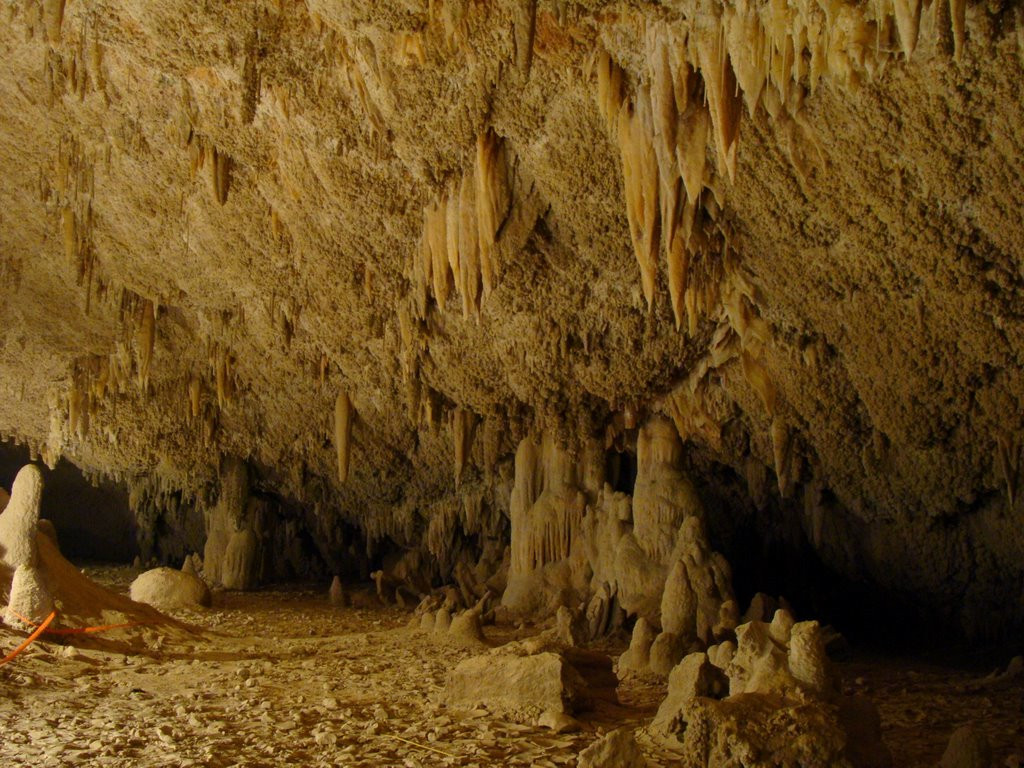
(908, 22)
(68, 228)
(219, 165)
(469, 248)
(640, 176)
(463, 428)
(222, 374)
(493, 198)
(782, 451)
(343, 416)
(145, 341)
(722, 95)
(524, 27)
(53, 16)
(958, 17)
(195, 391)
(1008, 460)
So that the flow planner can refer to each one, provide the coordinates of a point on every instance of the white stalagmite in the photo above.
(343, 433)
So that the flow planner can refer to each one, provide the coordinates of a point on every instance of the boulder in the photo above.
(168, 588)
(519, 687)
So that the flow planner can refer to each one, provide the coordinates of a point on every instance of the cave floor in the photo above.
(282, 678)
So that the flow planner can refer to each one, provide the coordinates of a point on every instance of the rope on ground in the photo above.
(79, 630)
(31, 639)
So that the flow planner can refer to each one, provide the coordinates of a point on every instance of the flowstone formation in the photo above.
(622, 288)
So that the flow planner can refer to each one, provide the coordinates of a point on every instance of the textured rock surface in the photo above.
(775, 703)
(616, 750)
(166, 588)
(369, 247)
(517, 686)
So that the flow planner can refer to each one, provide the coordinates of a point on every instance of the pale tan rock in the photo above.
(168, 588)
(518, 686)
(695, 676)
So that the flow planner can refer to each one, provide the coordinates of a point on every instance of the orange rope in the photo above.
(78, 630)
(31, 639)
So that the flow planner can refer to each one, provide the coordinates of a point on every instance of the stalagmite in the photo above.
(343, 416)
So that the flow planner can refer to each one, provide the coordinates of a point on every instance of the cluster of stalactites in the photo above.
(662, 135)
(461, 230)
(690, 95)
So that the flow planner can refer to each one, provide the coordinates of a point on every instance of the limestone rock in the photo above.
(168, 588)
(694, 677)
(765, 731)
(518, 686)
(617, 749)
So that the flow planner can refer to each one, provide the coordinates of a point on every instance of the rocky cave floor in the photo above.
(281, 677)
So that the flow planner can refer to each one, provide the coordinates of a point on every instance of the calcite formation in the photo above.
(441, 278)
(768, 699)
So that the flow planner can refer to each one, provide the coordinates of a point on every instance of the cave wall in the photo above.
(372, 247)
